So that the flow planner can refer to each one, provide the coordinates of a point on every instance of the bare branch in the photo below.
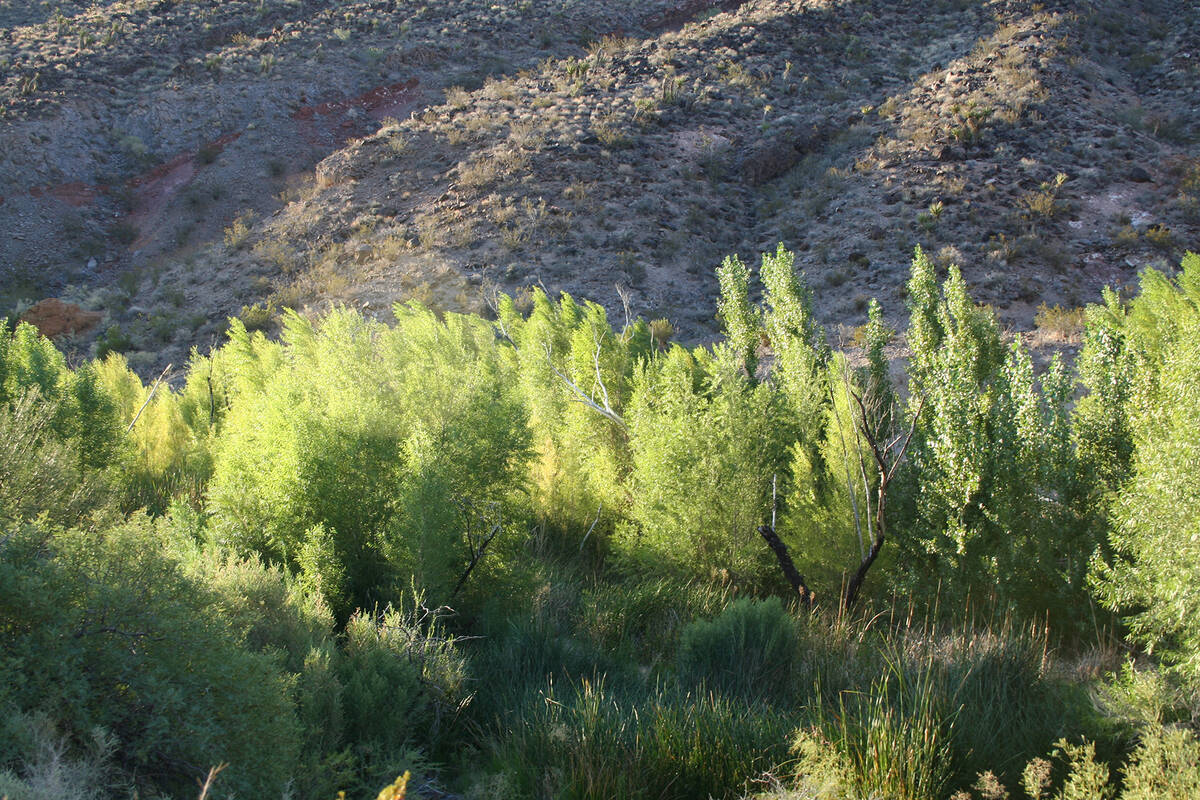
(582, 396)
(150, 397)
(592, 528)
(476, 551)
(623, 293)
(907, 439)
(208, 781)
(887, 470)
(600, 378)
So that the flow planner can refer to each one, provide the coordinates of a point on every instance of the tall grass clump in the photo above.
(893, 739)
(596, 742)
(750, 650)
(911, 710)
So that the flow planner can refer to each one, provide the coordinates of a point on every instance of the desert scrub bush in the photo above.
(1044, 203)
(258, 316)
(611, 132)
(237, 235)
(269, 612)
(1064, 324)
(100, 628)
(402, 687)
(750, 650)
(968, 123)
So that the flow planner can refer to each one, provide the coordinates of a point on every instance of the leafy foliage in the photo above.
(590, 500)
(360, 453)
(140, 654)
(993, 467)
(706, 442)
(1155, 533)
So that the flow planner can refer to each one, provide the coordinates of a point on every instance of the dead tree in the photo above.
(784, 558)
(787, 565)
(887, 459)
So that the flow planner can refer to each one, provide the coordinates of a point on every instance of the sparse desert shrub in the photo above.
(968, 122)
(259, 316)
(662, 330)
(1044, 204)
(1065, 324)
(237, 235)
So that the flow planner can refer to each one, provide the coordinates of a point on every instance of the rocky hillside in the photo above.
(170, 163)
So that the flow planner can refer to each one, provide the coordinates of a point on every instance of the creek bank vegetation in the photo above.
(543, 555)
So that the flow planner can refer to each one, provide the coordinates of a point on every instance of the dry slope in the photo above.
(1049, 148)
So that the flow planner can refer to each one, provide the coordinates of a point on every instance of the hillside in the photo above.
(269, 530)
(188, 159)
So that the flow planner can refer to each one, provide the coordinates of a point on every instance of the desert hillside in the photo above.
(168, 164)
(599, 399)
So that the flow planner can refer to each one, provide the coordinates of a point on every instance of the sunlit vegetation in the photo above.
(541, 555)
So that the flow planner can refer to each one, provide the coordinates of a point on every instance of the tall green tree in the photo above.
(368, 452)
(1144, 379)
(990, 497)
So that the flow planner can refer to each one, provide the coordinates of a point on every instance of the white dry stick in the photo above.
(149, 397)
(582, 396)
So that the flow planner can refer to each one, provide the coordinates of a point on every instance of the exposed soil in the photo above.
(55, 318)
(134, 133)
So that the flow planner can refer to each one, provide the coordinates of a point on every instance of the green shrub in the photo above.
(569, 361)
(1165, 765)
(99, 628)
(643, 617)
(1146, 388)
(39, 474)
(113, 340)
(750, 650)
(368, 454)
(991, 465)
(706, 442)
(83, 413)
(47, 768)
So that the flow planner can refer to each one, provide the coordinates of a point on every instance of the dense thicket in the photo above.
(282, 545)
